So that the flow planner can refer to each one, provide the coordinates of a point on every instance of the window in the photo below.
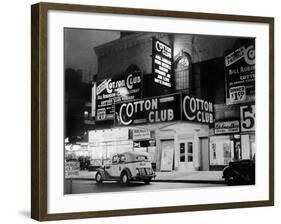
(141, 158)
(115, 159)
(190, 152)
(214, 153)
(182, 152)
(122, 158)
(182, 72)
(221, 150)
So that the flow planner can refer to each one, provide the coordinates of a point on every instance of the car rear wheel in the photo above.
(99, 178)
(124, 178)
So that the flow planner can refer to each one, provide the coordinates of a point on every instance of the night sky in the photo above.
(79, 52)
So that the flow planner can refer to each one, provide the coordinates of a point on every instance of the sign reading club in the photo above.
(198, 110)
(153, 110)
(164, 109)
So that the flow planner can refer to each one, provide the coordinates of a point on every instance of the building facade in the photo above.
(169, 95)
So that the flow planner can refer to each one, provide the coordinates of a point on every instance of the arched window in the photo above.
(133, 68)
(182, 72)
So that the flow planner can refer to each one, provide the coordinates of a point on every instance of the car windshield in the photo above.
(141, 158)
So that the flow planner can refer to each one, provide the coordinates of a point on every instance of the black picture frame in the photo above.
(39, 108)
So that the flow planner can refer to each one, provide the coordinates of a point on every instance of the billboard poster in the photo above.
(150, 110)
(167, 155)
(162, 55)
(110, 91)
(240, 74)
(197, 110)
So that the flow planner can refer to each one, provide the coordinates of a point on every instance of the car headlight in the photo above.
(138, 172)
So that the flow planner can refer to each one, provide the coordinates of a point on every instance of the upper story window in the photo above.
(182, 72)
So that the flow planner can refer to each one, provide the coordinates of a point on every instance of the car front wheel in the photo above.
(147, 181)
(124, 178)
(99, 178)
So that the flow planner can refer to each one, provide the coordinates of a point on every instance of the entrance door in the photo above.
(204, 151)
(186, 155)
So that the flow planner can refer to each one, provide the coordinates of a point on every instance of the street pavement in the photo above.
(85, 182)
(214, 177)
(78, 186)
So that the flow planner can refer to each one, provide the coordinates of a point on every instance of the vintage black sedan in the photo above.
(241, 172)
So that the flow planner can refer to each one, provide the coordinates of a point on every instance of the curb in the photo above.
(79, 178)
(192, 181)
(163, 180)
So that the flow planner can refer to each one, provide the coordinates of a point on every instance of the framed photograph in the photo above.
(138, 111)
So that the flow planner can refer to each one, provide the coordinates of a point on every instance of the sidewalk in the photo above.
(191, 177)
(173, 176)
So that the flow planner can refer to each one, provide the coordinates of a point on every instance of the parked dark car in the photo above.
(241, 172)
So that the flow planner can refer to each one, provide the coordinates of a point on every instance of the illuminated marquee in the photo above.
(164, 109)
(198, 110)
(160, 109)
(110, 91)
(162, 55)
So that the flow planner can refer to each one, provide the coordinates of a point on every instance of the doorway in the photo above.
(204, 153)
(186, 155)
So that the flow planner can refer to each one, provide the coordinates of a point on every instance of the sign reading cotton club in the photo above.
(110, 91)
(197, 110)
(150, 110)
(162, 55)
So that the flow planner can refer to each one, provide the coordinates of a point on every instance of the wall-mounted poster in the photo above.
(167, 155)
(240, 74)
(140, 133)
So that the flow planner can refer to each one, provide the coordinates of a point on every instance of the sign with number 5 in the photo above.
(247, 115)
